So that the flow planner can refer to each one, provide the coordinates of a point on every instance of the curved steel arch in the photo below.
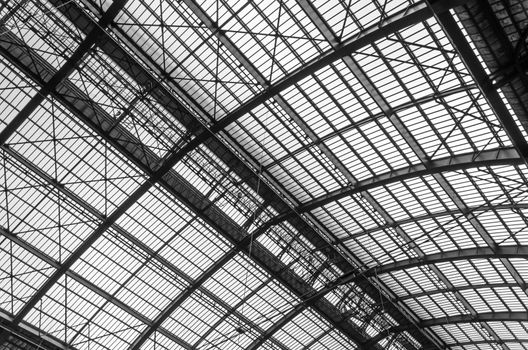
(500, 252)
(519, 316)
(494, 157)
(481, 342)
(449, 212)
(195, 143)
(461, 288)
(354, 125)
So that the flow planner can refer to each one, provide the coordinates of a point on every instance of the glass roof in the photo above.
(286, 175)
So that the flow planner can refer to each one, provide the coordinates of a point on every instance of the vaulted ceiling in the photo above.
(286, 175)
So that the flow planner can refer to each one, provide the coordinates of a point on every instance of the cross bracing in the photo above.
(285, 175)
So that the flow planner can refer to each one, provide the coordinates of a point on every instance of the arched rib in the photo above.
(450, 212)
(519, 316)
(494, 157)
(455, 289)
(500, 252)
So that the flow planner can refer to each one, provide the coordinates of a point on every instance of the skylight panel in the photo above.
(194, 250)
(238, 278)
(477, 270)
(422, 131)
(108, 264)
(159, 341)
(370, 251)
(191, 55)
(349, 18)
(265, 133)
(350, 158)
(421, 311)
(375, 67)
(150, 289)
(55, 316)
(486, 301)
(416, 279)
(301, 330)
(520, 265)
(346, 218)
(114, 328)
(390, 203)
(203, 170)
(155, 222)
(334, 339)
(193, 317)
(269, 304)
(464, 332)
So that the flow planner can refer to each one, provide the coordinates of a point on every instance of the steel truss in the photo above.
(159, 170)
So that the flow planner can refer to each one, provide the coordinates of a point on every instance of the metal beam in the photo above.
(495, 157)
(242, 169)
(454, 289)
(290, 315)
(26, 336)
(476, 210)
(508, 252)
(474, 343)
(355, 125)
(69, 95)
(388, 111)
(520, 316)
(194, 284)
(413, 14)
(174, 304)
(229, 313)
(500, 252)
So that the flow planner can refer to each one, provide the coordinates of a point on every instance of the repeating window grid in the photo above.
(204, 170)
(226, 336)
(302, 329)
(235, 280)
(65, 310)
(348, 217)
(194, 317)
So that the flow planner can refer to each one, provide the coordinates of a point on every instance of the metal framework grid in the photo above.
(285, 175)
